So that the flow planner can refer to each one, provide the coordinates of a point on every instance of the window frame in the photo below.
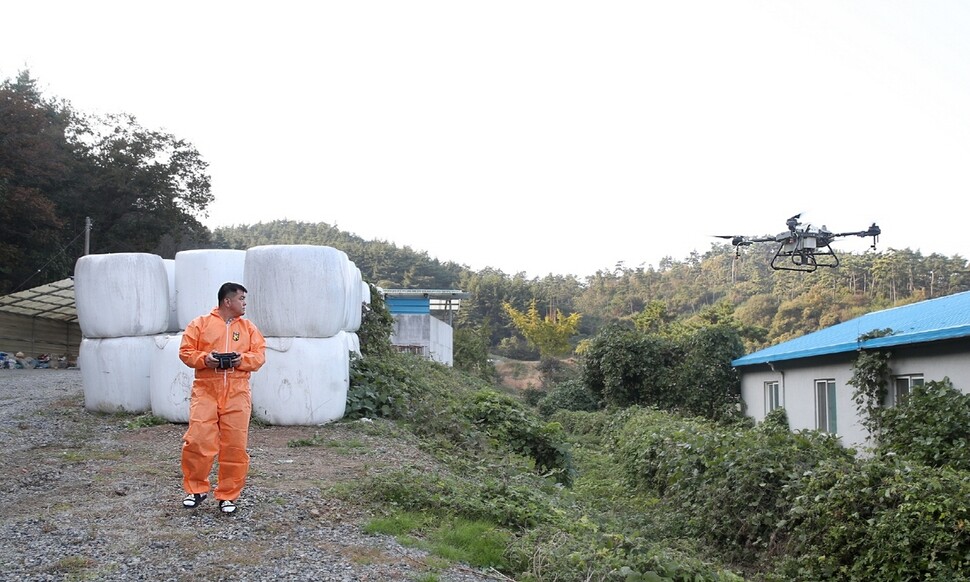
(826, 412)
(898, 393)
(774, 395)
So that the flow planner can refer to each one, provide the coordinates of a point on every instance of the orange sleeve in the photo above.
(189, 350)
(253, 359)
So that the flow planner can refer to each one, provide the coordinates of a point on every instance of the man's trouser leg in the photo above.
(200, 443)
(233, 440)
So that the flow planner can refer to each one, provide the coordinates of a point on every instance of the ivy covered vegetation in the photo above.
(612, 471)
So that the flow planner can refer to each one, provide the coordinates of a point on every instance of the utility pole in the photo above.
(87, 235)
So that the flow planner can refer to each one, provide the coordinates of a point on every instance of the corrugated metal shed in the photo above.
(935, 319)
(51, 301)
(409, 305)
(431, 299)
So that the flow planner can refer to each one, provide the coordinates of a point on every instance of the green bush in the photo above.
(775, 421)
(516, 500)
(454, 409)
(884, 518)
(505, 418)
(569, 395)
(625, 367)
(376, 325)
(707, 385)
(583, 551)
(377, 387)
(690, 373)
(516, 348)
(931, 426)
(733, 486)
(470, 352)
(581, 423)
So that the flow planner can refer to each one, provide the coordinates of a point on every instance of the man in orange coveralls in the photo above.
(221, 402)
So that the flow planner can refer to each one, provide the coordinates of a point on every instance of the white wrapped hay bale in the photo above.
(297, 290)
(170, 382)
(173, 318)
(304, 381)
(115, 373)
(354, 298)
(121, 295)
(198, 276)
(365, 292)
(353, 342)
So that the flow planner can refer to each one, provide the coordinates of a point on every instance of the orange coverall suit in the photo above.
(221, 403)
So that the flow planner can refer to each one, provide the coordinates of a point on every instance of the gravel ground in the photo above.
(86, 498)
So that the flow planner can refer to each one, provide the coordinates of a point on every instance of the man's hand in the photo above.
(211, 361)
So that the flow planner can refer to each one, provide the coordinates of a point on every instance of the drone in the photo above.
(802, 247)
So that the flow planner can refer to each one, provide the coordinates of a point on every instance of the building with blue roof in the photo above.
(809, 375)
(423, 320)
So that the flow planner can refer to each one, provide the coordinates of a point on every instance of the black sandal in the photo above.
(192, 500)
(226, 506)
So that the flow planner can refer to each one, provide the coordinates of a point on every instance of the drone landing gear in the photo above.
(803, 259)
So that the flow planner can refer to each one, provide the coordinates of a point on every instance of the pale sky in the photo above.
(540, 137)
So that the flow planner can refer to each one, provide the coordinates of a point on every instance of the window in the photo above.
(774, 398)
(902, 386)
(826, 419)
(412, 349)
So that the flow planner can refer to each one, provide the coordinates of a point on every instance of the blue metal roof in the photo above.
(935, 319)
(409, 305)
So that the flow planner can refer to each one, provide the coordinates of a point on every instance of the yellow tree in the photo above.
(549, 334)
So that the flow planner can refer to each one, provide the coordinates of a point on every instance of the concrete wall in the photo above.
(950, 359)
(424, 335)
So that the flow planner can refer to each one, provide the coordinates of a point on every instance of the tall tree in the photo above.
(550, 334)
(142, 186)
(34, 170)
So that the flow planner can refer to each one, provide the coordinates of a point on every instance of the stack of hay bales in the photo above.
(198, 274)
(306, 300)
(122, 305)
(133, 307)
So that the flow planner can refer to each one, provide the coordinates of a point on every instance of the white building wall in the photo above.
(442, 342)
(798, 388)
(798, 398)
(424, 334)
(954, 366)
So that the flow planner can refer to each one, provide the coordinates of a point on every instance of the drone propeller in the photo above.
(738, 240)
(735, 239)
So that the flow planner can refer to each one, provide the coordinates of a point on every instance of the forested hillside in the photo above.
(771, 305)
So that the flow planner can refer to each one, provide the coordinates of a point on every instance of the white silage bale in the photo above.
(173, 319)
(199, 274)
(304, 381)
(354, 299)
(170, 384)
(115, 373)
(353, 342)
(365, 292)
(121, 295)
(297, 290)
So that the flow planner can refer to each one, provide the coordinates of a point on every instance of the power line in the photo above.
(62, 251)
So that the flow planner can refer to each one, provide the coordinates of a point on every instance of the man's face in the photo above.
(236, 304)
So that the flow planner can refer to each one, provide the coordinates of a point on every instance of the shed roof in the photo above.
(50, 301)
(438, 299)
(931, 320)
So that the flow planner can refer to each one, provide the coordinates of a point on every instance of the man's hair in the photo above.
(230, 288)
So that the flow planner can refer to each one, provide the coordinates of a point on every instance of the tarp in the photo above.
(51, 301)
